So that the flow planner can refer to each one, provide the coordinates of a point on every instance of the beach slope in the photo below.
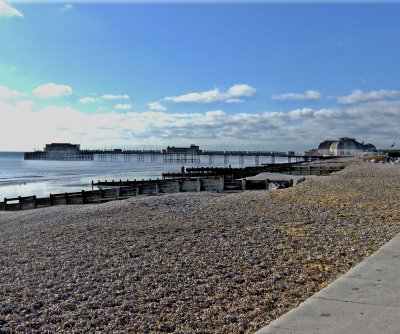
(191, 263)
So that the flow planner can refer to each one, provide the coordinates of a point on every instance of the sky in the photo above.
(253, 76)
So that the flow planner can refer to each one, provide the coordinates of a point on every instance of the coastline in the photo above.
(193, 262)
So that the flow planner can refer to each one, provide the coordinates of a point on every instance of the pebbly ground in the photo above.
(190, 263)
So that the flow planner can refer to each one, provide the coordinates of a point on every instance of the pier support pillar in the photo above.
(226, 159)
(221, 184)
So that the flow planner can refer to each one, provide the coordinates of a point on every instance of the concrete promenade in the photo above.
(365, 300)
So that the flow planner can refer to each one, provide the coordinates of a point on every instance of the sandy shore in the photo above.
(190, 263)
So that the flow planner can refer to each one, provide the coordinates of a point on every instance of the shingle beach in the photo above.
(193, 262)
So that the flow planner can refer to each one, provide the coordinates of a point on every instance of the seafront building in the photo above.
(344, 146)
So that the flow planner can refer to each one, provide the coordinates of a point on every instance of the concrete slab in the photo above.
(363, 291)
(387, 255)
(377, 271)
(336, 317)
(364, 300)
(395, 242)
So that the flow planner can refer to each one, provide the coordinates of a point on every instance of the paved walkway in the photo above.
(366, 300)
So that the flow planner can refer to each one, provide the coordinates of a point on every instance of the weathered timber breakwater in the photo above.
(193, 180)
(124, 189)
(190, 262)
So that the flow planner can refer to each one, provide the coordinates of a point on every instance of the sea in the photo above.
(19, 177)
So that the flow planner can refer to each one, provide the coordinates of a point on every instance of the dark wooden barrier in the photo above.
(114, 191)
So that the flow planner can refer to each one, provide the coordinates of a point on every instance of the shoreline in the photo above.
(192, 262)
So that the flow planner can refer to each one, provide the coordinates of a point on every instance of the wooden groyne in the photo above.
(118, 190)
(190, 180)
(236, 173)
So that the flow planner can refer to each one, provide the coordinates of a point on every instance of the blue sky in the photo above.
(249, 76)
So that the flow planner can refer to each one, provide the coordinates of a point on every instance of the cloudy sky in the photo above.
(223, 76)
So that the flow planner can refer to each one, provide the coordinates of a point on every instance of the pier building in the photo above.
(59, 151)
(193, 149)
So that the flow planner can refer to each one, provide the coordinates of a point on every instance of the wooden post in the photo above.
(118, 192)
(34, 201)
(5, 204)
(157, 190)
(243, 184)
(178, 186)
(66, 198)
(291, 183)
(100, 193)
(51, 200)
(83, 196)
(221, 183)
(267, 182)
(19, 203)
(198, 184)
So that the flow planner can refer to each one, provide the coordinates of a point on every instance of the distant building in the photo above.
(193, 149)
(59, 151)
(345, 146)
(62, 147)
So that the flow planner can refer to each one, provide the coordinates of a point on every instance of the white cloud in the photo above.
(301, 113)
(87, 99)
(358, 96)
(52, 90)
(156, 106)
(67, 7)
(7, 93)
(299, 129)
(115, 97)
(232, 95)
(123, 106)
(307, 95)
(8, 11)
(203, 97)
(234, 100)
(240, 90)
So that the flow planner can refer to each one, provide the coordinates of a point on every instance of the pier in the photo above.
(166, 157)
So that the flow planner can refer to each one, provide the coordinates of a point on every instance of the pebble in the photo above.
(191, 262)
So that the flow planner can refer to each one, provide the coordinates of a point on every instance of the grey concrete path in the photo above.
(366, 300)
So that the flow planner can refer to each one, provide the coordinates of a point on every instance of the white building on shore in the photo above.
(344, 146)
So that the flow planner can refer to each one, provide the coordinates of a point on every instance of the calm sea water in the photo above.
(19, 177)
